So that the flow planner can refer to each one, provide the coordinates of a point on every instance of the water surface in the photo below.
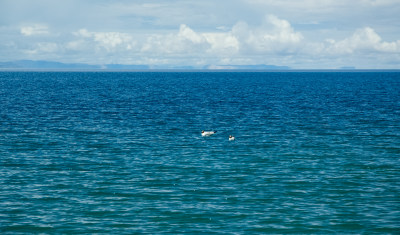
(121, 152)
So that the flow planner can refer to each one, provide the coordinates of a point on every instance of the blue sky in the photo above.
(301, 34)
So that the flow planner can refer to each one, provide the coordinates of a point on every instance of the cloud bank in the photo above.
(35, 29)
(140, 33)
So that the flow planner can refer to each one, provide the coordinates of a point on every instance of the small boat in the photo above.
(231, 138)
(207, 133)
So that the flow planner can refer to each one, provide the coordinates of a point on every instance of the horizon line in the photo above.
(190, 70)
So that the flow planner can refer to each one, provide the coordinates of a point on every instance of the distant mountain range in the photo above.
(52, 65)
(30, 64)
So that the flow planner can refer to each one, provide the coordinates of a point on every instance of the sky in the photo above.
(301, 34)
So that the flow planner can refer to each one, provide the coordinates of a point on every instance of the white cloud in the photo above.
(35, 29)
(222, 43)
(110, 41)
(211, 42)
(276, 35)
(185, 42)
(363, 40)
(43, 48)
(83, 33)
(187, 33)
(274, 41)
(301, 34)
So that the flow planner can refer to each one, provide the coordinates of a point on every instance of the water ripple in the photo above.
(122, 152)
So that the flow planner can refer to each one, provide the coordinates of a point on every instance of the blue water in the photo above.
(122, 152)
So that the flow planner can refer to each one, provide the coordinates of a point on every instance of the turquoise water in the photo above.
(122, 152)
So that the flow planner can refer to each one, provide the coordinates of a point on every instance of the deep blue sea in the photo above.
(122, 152)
